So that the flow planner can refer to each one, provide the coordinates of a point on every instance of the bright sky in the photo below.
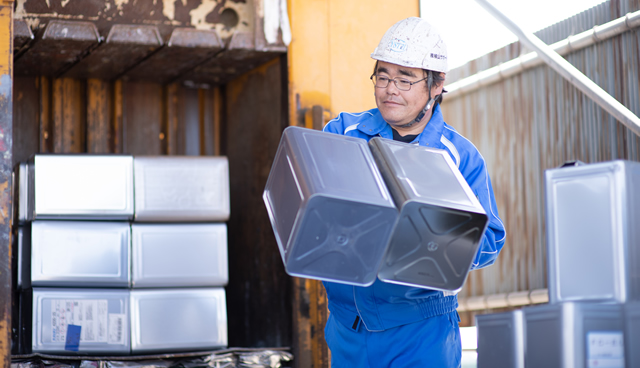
(471, 32)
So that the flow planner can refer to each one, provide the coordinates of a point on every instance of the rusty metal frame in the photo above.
(6, 140)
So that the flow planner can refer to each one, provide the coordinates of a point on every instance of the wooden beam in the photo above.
(207, 122)
(117, 117)
(99, 132)
(46, 126)
(259, 290)
(142, 118)
(68, 116)
(217, 118)
(172, 101)
(26, 118)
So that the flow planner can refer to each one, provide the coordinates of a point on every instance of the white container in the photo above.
(102, 314)
(181, 189)
(574, 335)
(593, 212)
(179, 255)
(178, 319)
(88, 187)
(80, 253)
(501, 340)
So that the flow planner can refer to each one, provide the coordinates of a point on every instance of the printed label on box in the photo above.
(116, 328)
(90, 315)
(605, 349)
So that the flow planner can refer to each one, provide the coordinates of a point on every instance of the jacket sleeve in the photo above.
(493, 239)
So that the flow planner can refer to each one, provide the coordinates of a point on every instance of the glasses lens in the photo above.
(403, 84)
(381, 81)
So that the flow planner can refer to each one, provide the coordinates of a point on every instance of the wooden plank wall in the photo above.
(242, 120)
(259, 288)
(68, 115)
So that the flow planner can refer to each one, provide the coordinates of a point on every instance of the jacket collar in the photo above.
(432, 132)
(429, 137)
(376, 126)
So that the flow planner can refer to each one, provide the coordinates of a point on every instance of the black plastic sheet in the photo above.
(227, 358)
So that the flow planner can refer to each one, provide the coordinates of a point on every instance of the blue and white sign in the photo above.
(398, 45)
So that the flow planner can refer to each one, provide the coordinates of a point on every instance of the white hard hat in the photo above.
(413, 43)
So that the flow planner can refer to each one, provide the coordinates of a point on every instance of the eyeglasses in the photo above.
(381, 81)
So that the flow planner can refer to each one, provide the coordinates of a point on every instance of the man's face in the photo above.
(401, 107)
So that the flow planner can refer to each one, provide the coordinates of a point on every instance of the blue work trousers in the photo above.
(431, 343)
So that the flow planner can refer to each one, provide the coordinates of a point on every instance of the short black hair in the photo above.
(437, 78)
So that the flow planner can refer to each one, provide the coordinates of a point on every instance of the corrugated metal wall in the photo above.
(535, 121)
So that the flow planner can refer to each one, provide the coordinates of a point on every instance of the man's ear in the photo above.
(439, 88)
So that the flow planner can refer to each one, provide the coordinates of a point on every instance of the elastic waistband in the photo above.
(393, 315)
(390, 315)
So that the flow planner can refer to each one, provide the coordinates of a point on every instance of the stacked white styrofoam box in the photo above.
(179, 248)
(74, 243)
(593, 250)
(75, 213)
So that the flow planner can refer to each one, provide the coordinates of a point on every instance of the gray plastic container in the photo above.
(593, 212)
(22, 179)
(103, 315)
(179, 255)
(87, 187)
(632, 333)
(330, 210)
(80, 253)
(501, 340)
(574, 335)
(178, 319)
(23, 259)
(181, 189)
(441, 221)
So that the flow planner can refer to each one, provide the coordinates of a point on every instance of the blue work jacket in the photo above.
(383, 305)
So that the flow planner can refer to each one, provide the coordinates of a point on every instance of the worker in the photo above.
(389, 325)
